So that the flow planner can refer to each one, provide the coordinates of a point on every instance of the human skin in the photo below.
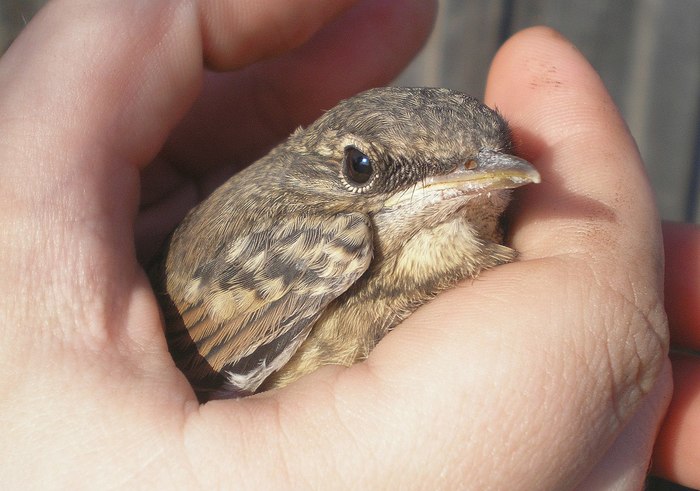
(528, 375)
(677, 453)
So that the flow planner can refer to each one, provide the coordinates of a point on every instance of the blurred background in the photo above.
(647, 52)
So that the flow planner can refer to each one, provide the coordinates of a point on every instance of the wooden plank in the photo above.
(663, 108)
(459, 51)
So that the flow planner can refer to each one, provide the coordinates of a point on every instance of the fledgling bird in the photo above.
(313, 253)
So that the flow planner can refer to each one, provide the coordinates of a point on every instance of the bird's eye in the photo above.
(358, 166)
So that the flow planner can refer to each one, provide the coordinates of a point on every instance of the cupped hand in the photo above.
(527, 375)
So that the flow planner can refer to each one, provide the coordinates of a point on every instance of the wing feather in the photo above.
(245, 311)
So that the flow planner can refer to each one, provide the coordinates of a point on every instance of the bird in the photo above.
(313, 253)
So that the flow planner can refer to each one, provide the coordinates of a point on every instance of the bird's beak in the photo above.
(488, 170)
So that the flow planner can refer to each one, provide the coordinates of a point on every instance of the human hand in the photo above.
(526, 375)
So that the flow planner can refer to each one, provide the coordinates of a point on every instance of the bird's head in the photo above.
(411, 156)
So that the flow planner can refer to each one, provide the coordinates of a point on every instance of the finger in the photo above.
(237, 33)
(682, 284)
(677, 449)
(241, 114)
(588, 193)
(80, 115)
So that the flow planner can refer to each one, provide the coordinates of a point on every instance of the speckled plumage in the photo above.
(310, 255)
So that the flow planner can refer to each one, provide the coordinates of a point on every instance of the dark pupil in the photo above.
(358, 165)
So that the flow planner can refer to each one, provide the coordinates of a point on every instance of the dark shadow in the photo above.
(205, 381)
